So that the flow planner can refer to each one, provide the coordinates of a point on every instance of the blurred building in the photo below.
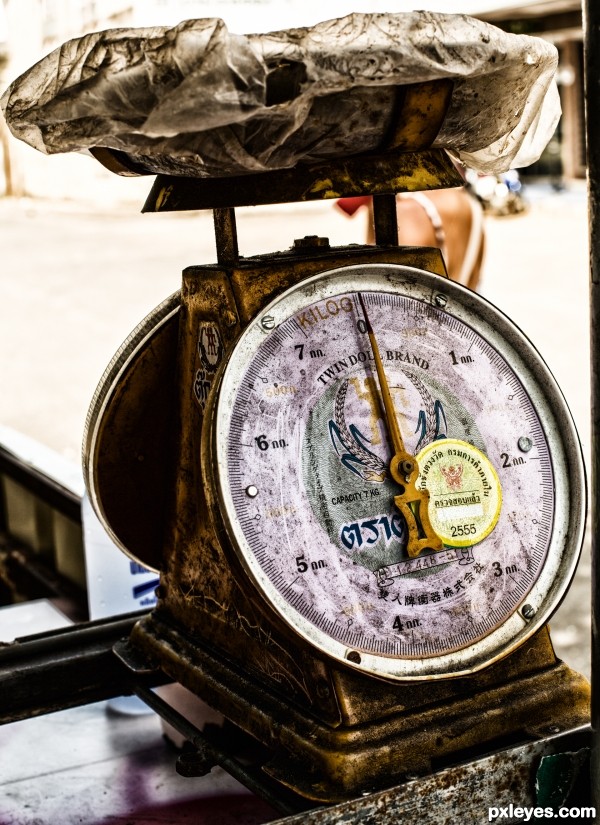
(29, 29)
(559, 21)
(32, 28)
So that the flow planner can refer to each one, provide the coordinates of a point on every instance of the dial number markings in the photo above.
(333, 548)
(317, 506)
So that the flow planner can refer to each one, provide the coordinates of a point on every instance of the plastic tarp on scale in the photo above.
(197, 100)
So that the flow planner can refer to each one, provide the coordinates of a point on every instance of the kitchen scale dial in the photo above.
(397, 472)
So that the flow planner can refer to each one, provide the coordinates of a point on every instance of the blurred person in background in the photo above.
(450, 219)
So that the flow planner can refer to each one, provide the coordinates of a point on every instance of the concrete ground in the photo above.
(75, 280)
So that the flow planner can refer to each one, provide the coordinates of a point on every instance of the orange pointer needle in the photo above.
(404, 468)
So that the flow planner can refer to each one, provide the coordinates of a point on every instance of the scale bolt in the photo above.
(524, 444)
(309, 242)
(229, 318)
(268, 322)
(440, 300)
(323, 691)
(407, 466)
(528, 611)
(252, 491)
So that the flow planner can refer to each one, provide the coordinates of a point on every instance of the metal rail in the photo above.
(46, 488)
(94, 661)
(65, 668)
(205, 755)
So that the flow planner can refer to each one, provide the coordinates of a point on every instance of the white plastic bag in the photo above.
(197, 100)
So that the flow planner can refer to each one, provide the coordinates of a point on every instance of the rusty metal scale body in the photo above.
(279, 616)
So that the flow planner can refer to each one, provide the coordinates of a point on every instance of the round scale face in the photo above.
(303, 463)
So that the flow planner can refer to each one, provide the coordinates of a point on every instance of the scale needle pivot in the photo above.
(404, 467)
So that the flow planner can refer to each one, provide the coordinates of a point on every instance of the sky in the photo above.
(244, 16)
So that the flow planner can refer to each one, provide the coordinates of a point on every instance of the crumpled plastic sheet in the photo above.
(197, 100)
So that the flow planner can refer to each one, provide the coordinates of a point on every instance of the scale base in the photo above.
(456, 719)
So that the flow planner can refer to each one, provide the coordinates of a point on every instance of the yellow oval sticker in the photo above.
(465, 496)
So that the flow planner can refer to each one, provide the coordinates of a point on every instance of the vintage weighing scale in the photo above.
(359, 481)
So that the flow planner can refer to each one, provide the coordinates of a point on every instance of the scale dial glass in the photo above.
(303, 472)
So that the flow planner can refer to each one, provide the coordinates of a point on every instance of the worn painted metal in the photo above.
(387, 172)
(333, 734)
(354, 733)
(592, 84)
(128, 452)
(64, 668)
(467, 793)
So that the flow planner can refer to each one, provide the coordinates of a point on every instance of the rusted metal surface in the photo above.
(129, 448)
(226, 236)
(464, 793)
(131, 451)
(397, 729)
(333, 732)
(385, 220)
(420, 115)
(64, 668)
(361, 175)
(72, 667)
(592, 81)
(203, 752)
(551, 771)
(255, 281)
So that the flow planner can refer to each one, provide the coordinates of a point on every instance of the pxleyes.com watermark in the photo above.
(514, 812)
